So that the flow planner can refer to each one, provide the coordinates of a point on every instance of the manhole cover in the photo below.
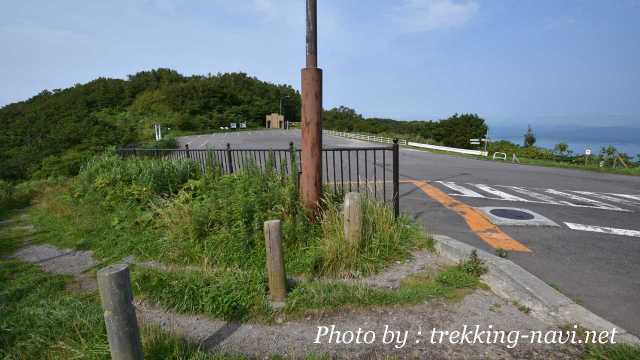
(512, 214)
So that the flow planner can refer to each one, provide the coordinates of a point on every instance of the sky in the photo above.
(540, 62)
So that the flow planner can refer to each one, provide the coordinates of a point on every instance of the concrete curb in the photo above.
(514, 283)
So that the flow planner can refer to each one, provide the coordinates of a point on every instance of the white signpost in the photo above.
(243, 125)
(233, 125)
(158, 131)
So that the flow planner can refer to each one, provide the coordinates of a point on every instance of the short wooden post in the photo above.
(114, 284)
(229, 159)
(275, 262)
(352, 213)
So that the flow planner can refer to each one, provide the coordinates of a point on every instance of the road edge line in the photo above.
(512, 282)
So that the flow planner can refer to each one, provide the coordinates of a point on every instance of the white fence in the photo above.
(371, 138)
(386, 140)
(449, 149)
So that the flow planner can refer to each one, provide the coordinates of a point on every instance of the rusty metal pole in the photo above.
(311, 182)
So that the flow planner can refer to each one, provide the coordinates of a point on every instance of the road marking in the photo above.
(500, 194)
(603, 230)
(607, 198)
(632, 197)
(544, 196)
(596, 204)
(461, 189)
(534, 195)
(477, 222)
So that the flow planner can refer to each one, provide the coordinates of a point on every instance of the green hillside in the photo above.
(55, 131)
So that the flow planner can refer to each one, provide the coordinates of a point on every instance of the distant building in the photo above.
(276, 121)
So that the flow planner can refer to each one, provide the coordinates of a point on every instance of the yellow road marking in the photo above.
(477, 221)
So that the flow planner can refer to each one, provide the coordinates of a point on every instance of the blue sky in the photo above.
(512, 62)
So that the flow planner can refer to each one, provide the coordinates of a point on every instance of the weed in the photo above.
(612, 352)
(474, 265)
(522, 308)
(502, 253)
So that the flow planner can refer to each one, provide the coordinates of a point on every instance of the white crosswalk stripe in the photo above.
(595, 203)
(500, 194)
(461, 189)
(536, 195)
(573, 198)
(607, 197)
(632, 197)
(603, 229)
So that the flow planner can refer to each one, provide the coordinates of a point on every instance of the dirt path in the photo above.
(297, 338)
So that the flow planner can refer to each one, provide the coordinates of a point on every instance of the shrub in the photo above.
(20, 195)
(66, 165)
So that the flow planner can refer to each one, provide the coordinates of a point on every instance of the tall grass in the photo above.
(384, 239)
(134, 180)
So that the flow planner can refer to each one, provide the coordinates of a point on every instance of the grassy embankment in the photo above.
(170, 212)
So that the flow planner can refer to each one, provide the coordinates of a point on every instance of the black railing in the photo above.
(372, 170)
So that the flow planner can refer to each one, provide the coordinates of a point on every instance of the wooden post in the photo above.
(114, 284)
(311, 182)
(352, 213)
(229, 159)
(275, 262)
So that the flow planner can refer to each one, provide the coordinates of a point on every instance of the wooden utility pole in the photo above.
(311, 181)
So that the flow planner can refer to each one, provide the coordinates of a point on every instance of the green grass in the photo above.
(612, 352)
(634, 171)
(244, 296)
(172, 213)
(159, 210)
(39, 319)
(593, 166)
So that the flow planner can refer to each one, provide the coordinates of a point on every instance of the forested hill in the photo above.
(55, 131)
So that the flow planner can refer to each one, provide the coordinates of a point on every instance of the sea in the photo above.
(624, 139)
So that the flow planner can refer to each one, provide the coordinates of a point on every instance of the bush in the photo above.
(20, 195)
(65, 165)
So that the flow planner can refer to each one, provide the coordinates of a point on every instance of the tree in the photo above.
(561, 149)
(529, 138)
(58, 125)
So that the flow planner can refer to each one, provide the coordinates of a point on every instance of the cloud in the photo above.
(431, 15)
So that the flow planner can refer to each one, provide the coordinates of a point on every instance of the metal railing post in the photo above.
(229, 159)
(396, 178)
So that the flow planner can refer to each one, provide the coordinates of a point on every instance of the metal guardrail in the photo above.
(372, 170)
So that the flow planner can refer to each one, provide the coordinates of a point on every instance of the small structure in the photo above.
(275, 121)
(157, 128)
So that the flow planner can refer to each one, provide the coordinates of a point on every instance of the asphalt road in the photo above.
(596, 268)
